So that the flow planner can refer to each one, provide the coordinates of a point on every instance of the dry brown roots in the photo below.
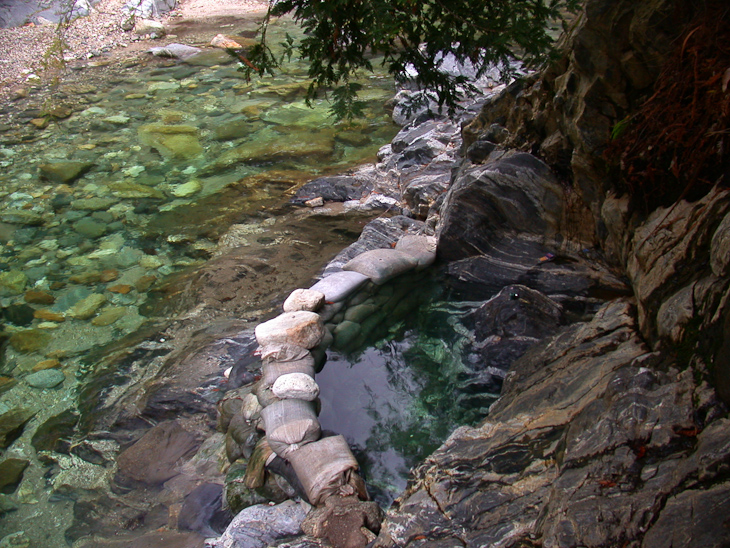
(678, 144)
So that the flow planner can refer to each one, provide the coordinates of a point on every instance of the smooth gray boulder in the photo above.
(176, 51)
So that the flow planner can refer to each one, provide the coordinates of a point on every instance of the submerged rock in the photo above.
(203, 511)
(12, 423)
(64, 172)
(153, 458)
(511, 322)
(56, 432)
(259, 526)
(171, 141)
(29, 340)
(13, 281)
(46, 378)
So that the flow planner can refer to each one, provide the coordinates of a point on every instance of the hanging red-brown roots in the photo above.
(678, 144)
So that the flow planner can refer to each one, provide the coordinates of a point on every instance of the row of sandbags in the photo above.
(291, 346)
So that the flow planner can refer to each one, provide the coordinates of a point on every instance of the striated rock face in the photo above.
(612, 431)
(596, 441)
(514, 194)
(676, 266)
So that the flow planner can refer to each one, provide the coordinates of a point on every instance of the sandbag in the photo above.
(339, 285)
(273, 370)
(380, 265)
(283, 353)
(421, 248)
(295, 386)
(264, 395)
(290, 424)
(323, 467)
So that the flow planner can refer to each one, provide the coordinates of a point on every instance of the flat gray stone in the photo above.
(47, 378)
(381, 265)
(339, 285)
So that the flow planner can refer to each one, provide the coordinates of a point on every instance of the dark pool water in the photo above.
(397, 398)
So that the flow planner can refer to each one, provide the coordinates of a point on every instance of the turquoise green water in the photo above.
(111, 282)
(398, 397)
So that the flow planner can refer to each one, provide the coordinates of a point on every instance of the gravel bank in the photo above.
(29, 55)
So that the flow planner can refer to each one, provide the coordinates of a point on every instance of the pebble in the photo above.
(86, 308)
(35, 296)
(15, 540)
(46, 364)
(90, 228)
(186, 190)
(47, 378)
(150, 262)
(122, 289)
(144, 283)
(109, 275)
(14, 281)
(29, 340)
(49, 316)
(109, 316)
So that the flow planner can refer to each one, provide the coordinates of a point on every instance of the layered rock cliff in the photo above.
(614, 431)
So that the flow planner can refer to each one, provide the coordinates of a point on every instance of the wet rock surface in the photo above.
(583, 419)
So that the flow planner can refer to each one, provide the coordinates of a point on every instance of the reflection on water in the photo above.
(400, 396)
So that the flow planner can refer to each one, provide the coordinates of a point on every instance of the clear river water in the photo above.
(116, 212)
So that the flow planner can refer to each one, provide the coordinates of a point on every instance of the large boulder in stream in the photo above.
(153, 458)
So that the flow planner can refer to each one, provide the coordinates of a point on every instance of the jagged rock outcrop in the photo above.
(595, 437)
(614, 53)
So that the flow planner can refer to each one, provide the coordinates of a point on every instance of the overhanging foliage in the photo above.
(412, 36)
